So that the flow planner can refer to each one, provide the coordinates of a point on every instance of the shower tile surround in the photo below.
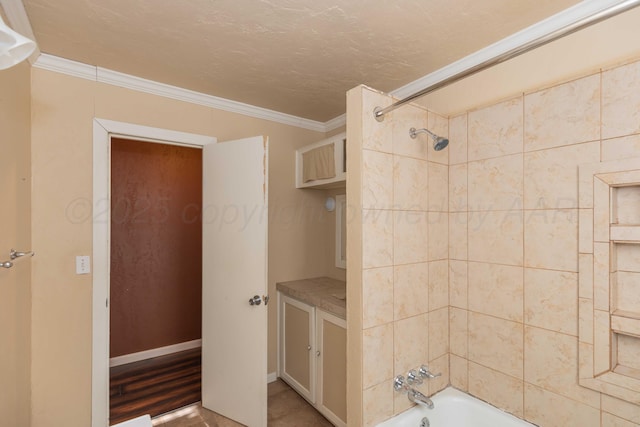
(404, 217)
(526, 292)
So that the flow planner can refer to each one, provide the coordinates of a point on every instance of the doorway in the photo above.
(155, 278)
(235, 229)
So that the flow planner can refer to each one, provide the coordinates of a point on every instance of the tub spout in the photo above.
(416, 397)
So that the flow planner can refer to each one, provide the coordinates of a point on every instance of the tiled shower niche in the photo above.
(609, 274)
(625, 280)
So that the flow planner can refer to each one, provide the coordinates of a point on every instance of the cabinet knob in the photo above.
(308, 348)
(318, 353)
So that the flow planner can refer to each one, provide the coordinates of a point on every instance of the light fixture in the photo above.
(330, 204)
(14, 47)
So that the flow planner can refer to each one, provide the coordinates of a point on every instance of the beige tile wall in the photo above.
(513, 244)
(508, 247)
(403, 270)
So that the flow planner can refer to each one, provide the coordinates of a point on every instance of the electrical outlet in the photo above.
(83, 264)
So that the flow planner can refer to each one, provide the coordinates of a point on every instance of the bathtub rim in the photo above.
(453, 393)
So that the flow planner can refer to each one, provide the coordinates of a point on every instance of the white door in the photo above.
(234, 332)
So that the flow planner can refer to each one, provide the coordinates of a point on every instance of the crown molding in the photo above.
(103, 75)
(66, 66)
(336, 122)
(543, 28)
(143, 85)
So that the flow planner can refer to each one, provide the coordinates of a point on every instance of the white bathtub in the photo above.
(453, 408)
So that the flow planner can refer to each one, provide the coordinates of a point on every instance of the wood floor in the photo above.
(161, 385)
(154, 386)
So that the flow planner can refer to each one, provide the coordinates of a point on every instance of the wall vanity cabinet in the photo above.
(313, 353)
(331, 367)
(297, 342)
(322, 164)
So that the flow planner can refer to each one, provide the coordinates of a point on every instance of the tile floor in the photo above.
(285, 409)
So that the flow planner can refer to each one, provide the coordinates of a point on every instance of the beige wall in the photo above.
(63, 108)
(398, 255)
(15, 232)
(514, 244)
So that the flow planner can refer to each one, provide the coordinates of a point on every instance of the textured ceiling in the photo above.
(293, 56)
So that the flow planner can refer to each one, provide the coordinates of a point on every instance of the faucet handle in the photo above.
(425, 373)
(414, 378)
(399, 383)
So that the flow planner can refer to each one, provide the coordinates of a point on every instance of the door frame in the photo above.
(103, 130)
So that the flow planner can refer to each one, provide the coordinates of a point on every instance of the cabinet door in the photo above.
(332, 367)
(338, 161)
(297, 342)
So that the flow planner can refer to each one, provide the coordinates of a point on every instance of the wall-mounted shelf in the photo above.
(609, 273)
(627, 324)
(334, 147)
(625, 233)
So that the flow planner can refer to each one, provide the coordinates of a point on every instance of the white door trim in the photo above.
(102, 132)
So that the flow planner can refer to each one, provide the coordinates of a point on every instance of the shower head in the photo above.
(438, 142)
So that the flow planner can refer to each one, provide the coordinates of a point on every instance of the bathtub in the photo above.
(453, 408)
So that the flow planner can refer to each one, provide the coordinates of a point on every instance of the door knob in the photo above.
(256, 300)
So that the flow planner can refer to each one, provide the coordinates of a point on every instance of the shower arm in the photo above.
(413, 133)
(594, 18)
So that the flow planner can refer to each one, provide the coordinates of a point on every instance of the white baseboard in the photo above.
(162, 351)
(154, 352)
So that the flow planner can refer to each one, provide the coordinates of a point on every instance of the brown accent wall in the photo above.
(156, 245)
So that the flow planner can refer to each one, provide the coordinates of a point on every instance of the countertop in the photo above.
(322, 292)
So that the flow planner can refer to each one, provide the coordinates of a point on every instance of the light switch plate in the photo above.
(83, 264)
